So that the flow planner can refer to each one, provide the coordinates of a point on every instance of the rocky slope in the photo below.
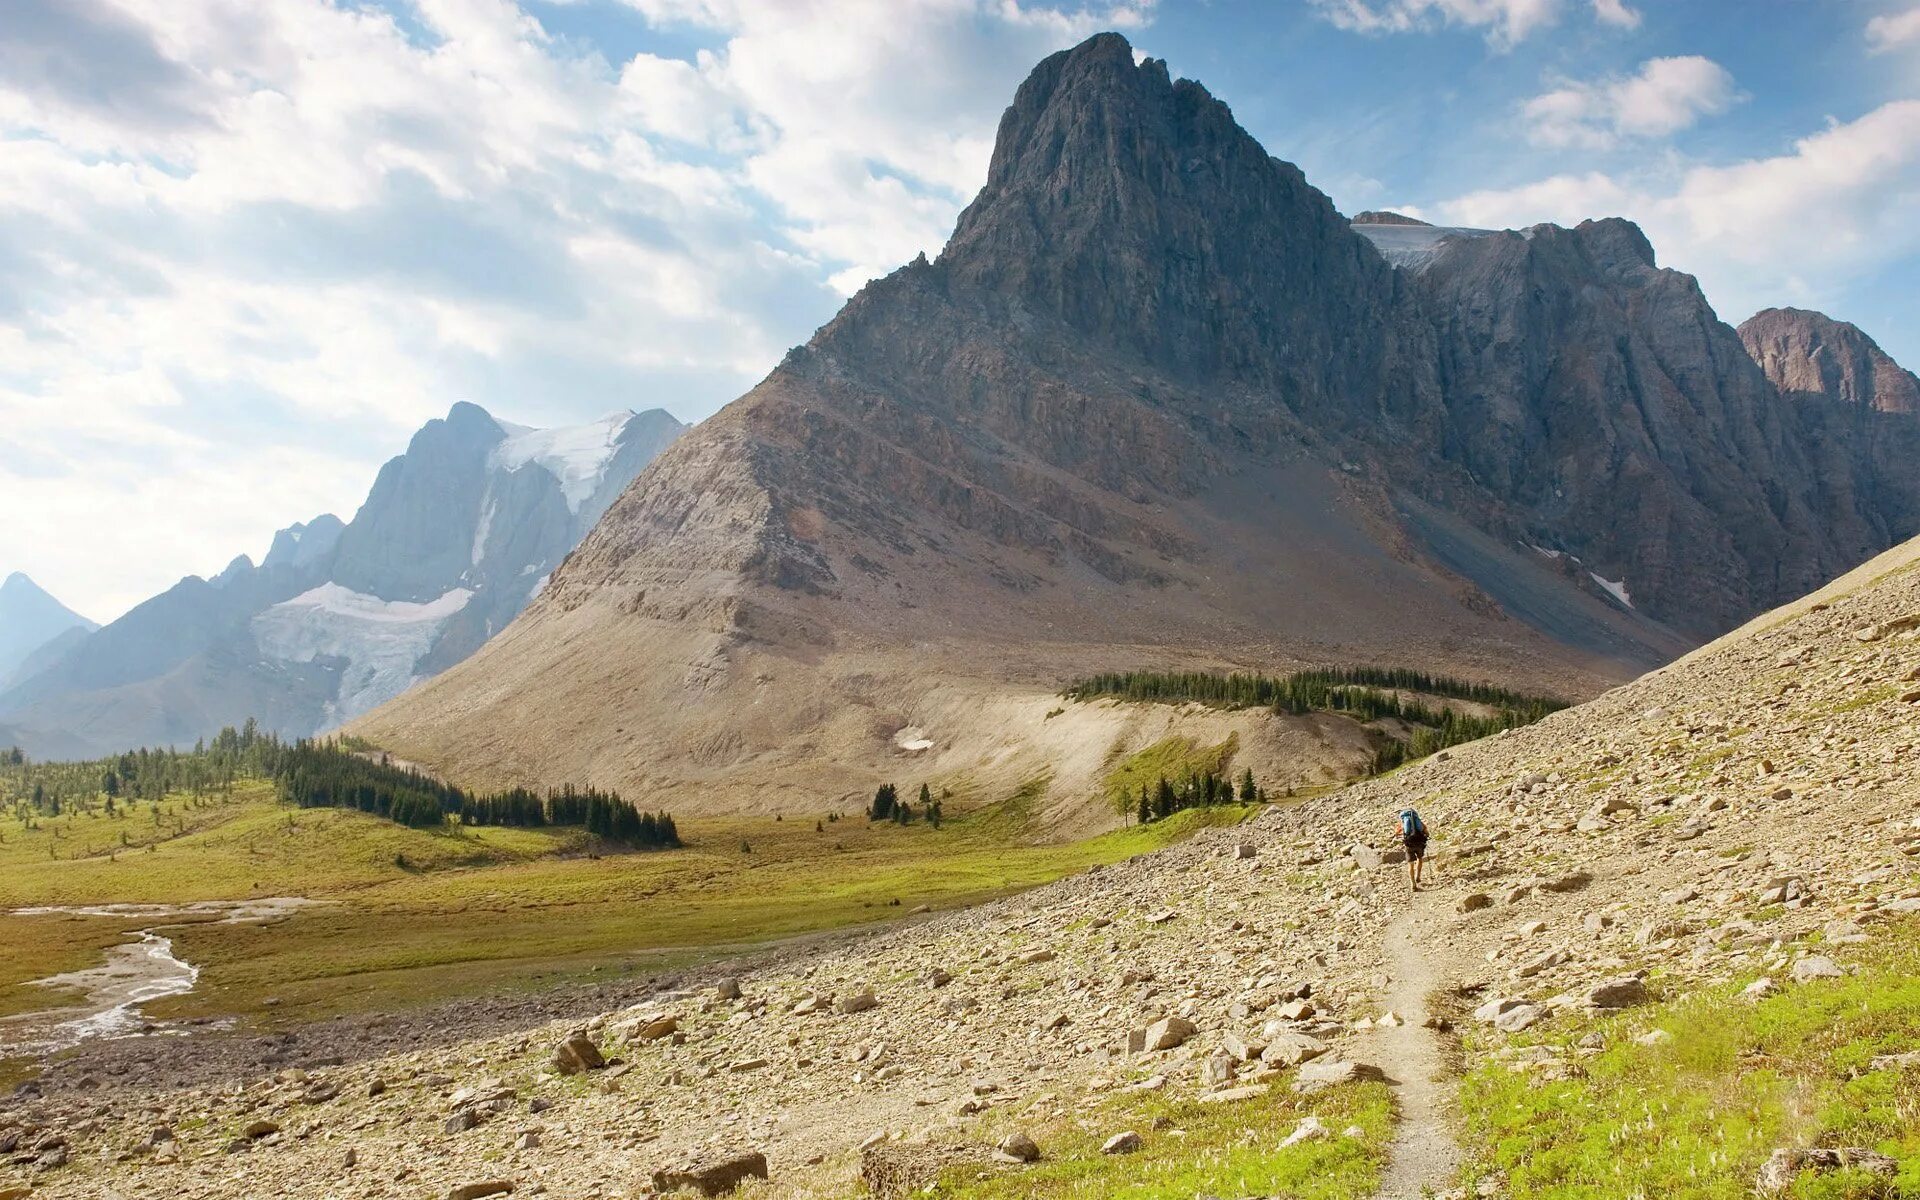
(457, 535)
(31, 621)
(1747, 809)
(1158, 404)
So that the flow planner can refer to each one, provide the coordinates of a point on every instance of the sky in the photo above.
(247, 247)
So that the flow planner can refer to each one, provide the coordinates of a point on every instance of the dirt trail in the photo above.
(1423, 1158)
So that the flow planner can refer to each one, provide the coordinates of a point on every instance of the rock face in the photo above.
(1804, 351)
(1158, 394)
(457, 535)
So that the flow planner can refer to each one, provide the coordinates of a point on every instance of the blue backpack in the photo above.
(1411, 825)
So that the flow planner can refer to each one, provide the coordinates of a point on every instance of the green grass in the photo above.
(1696, 1116)
(482, 910)
(1171, 758)
(1230, 1149)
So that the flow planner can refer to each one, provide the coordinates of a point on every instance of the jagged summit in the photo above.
(1372, 217)
(1806, 351)
(1134, 208)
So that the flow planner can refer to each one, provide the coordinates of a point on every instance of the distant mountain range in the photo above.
(1158, 404)
(33, 626)
(457, 535)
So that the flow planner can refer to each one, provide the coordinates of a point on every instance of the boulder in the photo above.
(577, 1054)
(1622, 991)
(727, 989)
(859, 1002)
(1167, 1033)
(1474, 902)
(1020, 1148)
(715, 1178)
(479, 1190)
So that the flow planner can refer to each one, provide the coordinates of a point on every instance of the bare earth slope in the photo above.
(1748, 808)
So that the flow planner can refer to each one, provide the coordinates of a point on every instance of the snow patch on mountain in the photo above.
(1617, 590)
(1411, 247)
(382, 641)
(576, 455)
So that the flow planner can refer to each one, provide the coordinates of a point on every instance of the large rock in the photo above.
(1325, 1073)
(577, 1054)
(1167, 1033)
(1622, 991)
(715, 1178)
(480, 1190)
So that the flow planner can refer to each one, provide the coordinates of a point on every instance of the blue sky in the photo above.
(247, 246)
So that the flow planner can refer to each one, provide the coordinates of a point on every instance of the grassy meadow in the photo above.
(1695, 1110)
(414, 916)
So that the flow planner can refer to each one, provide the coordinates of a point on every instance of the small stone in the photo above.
(477, 1191)
(1323, 1073)
(1474, 902)
(1019, 1148)
(727, 989)
(1816, 966)
(1515, 1020)
(859, 1002)
(1308, 1130)
(1122, 1143)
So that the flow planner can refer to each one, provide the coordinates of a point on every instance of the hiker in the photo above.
(1413, 835)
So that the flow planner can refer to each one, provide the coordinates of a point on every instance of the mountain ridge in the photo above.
(339, 616)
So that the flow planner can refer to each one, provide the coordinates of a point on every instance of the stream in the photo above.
(134, 973)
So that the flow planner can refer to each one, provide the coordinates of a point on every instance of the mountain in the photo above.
(1158, 404)
(31, 620)
(456, 536)
(1804, 351)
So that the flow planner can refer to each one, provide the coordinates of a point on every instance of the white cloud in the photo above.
(1889, 30)
(1791, 228)
(1507, 22)
(1616, 13)
(1665, 96)
(229, 228)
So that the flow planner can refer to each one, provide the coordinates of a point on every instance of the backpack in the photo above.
(1411, 825)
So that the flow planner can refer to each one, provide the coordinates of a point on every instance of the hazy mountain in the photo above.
(1158, 403)
(455, 537)
(30, 620)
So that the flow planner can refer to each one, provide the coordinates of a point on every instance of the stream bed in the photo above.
(135, 973)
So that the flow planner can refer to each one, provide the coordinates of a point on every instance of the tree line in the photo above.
(312, 774)
(1329, 689)
(1364, 693)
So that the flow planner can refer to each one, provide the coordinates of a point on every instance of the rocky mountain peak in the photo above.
(1806, 351)
(1132, 207)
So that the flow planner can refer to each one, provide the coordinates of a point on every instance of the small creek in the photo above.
(135, 972)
